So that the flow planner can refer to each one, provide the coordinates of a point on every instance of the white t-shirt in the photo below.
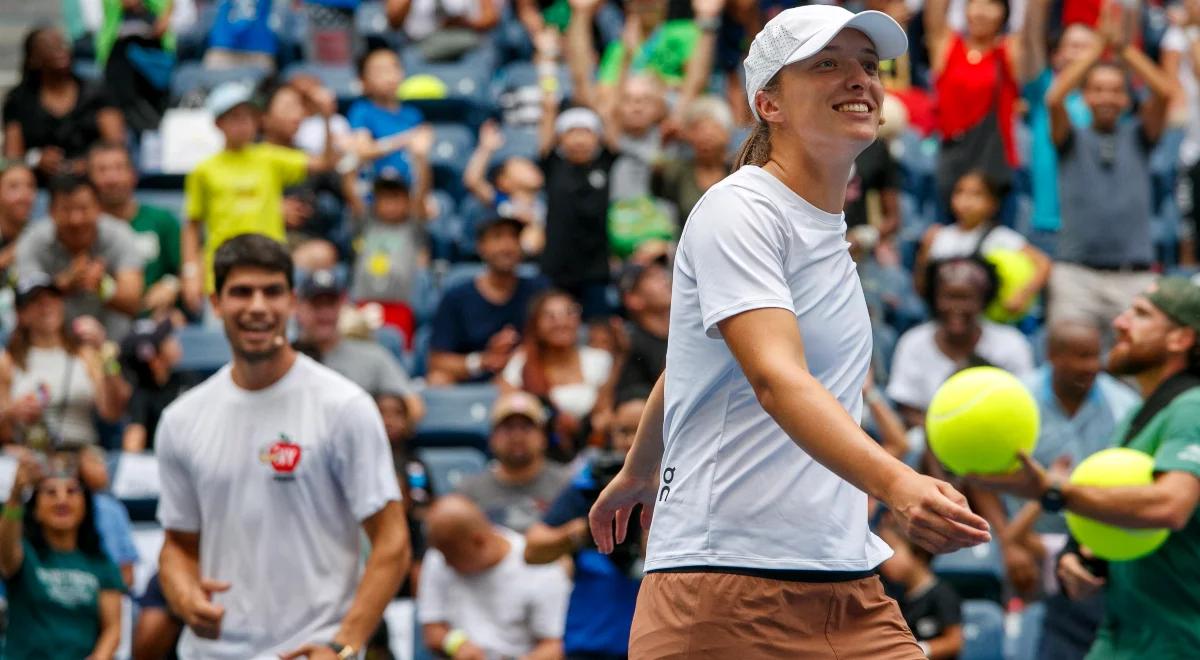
(506, 610)
(576, 399)
(1175, 39)
(311, 135)
(953, 241)
(275, 481)
(735, 490)
(919, 367)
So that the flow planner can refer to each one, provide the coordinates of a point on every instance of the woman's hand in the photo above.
(934, 515)
(25, 410)
(29, 472)
(89, 331)
(609, 517)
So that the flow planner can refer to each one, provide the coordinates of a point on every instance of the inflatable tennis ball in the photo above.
(1015, 270)
(1119, 466)
(979, 419)
(421, 87)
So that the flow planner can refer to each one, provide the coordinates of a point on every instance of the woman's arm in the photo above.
(475, 173)
(14, 141)
(112, 391)
(767, 345)
(1033, 40)
(947, 645)
(12, 554)
(111, 124)
(937, 32)
(110, 626)
(545, 544)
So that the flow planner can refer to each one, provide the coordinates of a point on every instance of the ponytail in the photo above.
(756, 150)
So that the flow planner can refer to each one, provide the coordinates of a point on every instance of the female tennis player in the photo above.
(750, 452)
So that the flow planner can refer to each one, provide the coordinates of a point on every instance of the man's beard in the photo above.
(254, 357)
(1132, 362)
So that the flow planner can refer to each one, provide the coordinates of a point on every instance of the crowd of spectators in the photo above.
(482, 196)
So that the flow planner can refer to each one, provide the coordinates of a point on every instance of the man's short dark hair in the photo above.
(67, 184)
(103, 146)
(251, 251)
(361, 64)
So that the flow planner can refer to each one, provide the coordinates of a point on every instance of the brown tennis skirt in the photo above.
(684, 615)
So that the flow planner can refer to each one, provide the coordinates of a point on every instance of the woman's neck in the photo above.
(959, 346)
(558, 355)
(980, 43)
(56, 80)
(45, 339)
(61, 540)
(820, 179)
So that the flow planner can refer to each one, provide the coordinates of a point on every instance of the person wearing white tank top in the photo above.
(749, 456)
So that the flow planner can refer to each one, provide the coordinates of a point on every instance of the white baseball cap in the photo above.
(801, 32)
(228, 96)
(578, 118)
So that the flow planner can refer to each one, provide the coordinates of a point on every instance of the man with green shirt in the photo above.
(1152, 604)
(111, 171)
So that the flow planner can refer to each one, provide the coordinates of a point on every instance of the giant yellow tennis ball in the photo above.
(979, 419)
(1119, 466)
(421, 87)
(1015, 270)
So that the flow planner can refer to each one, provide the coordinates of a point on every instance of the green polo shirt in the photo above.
(1152, 607)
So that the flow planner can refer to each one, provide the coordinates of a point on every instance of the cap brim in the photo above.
(885, 33)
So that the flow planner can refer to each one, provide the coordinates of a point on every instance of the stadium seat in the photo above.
(518, 141)
(452, 147)
(191, 77)
(416, 360)
(1021, 641)
(457, 416)
(448, 465)
(983, 631)
(975, 572)
(205, 350)
(148, 539)
(168, 200)
(524, 74)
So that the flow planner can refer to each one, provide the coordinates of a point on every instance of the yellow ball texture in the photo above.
(422, 87)
(1119, 466)
(979, 419)
(1015, 270)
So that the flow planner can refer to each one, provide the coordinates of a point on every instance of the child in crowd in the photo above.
(240, 189)
(382, 124)
(974, 202)
(149, 354)
(392, 247)
(931, 608)
(517, 188)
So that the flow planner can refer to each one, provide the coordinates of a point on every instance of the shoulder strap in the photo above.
(1158, 400)
(977, 253)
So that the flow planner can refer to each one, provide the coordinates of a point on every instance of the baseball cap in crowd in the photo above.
(578, 118)
(518, 403)
(801, 32)
(496, 220)
(1179, 299)
(143, 340)
(319, 283)
(31, 284)
(390, 178)
(227, 96)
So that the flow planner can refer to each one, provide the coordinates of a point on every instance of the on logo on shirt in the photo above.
(283, 456)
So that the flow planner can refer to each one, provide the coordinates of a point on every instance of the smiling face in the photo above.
(1106, 94)
(60, 505)
(972, 202)
(76, 216)
(556, 322)
(830, 101)
(113, 175)
(18, 188)
(255, 305)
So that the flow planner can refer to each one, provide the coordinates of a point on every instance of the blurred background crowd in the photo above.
(482, 198)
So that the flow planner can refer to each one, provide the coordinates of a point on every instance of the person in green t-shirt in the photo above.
(1152, 605)
(64, 593)
(111, 171)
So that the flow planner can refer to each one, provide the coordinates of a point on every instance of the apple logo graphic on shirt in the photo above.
(283, 456)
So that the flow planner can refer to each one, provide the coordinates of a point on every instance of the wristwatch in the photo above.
(343, 651)
(1052, 500)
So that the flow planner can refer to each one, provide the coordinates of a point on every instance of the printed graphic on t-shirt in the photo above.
(283, 456)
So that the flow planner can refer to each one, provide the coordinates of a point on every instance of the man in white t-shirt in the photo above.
(269, 469)
(478, 598)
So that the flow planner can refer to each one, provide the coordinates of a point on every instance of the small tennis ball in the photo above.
(979, 419)
(1119, 466)
(421, 87)
(1015, 270)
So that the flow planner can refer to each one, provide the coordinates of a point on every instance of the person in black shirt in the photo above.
(52, 116)
(149, 354)
(874, 173)
(577, 162)
(475, 328)
(931, 608)
(646, 296)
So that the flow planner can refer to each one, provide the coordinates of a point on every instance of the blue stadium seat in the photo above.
(524, 74)
(459, 273)
(391, 339)
(457, 416)
(192, 77)
(341, 80)
(452, 147)
(983, 631)
(448, 465)
(205, 350)
(415, 361)
(976, 572)
(370, 19)
(1021, 641)
(518, 141)
(168, 200)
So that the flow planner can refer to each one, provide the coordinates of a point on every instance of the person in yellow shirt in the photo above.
(240, 189)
